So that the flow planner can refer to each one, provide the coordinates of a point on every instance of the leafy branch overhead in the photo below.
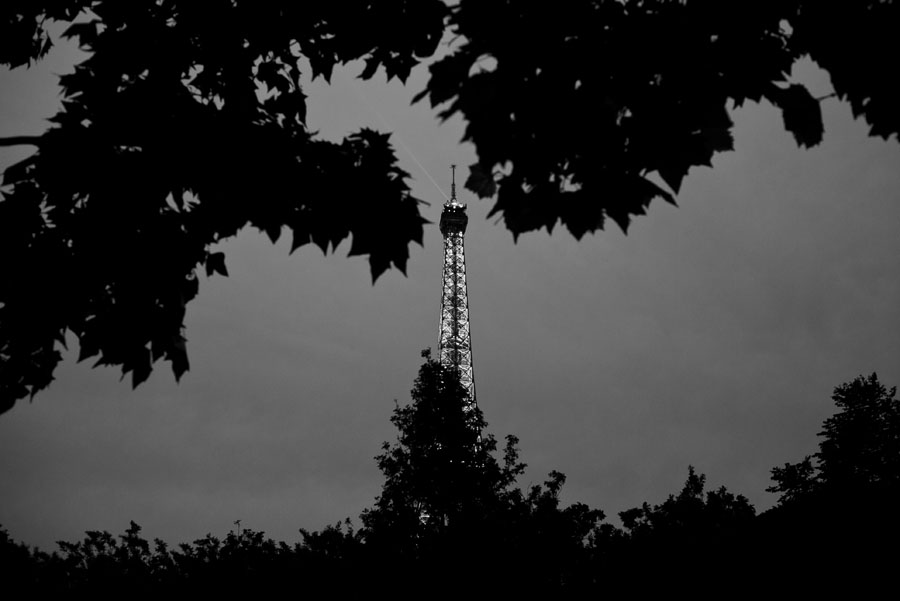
(187, 122)
(574, 111)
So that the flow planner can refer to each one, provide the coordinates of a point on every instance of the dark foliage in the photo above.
(450, 521)
(441, 476)
(837, 510)
(187, 123)
(859, 451)
(448, 504)
(449, 513)
(695, 529)
(572, 109)
(101, 564)
(693, 514)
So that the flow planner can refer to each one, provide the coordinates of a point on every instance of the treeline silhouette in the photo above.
(451, 520)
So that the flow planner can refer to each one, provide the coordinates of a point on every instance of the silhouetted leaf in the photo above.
(177, 354)
(215, 263)
(370, 69)
(801, 112)
(481, 181)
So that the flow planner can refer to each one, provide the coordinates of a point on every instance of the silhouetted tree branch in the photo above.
(21, 141)
(187, 122)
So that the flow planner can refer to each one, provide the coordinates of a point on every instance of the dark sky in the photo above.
(712, 335)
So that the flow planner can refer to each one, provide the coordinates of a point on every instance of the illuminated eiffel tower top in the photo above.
(455, 340)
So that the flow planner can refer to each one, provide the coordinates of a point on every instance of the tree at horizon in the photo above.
(859, 451)
(447, 501)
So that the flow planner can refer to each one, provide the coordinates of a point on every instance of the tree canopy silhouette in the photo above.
(694, 512)
(447, 502)
(187, 122)
(440, 476)
(696, 527)
(448, 507)
(837, 510)
(450, 520)
(860, 447)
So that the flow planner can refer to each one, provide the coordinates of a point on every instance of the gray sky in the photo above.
(711, 335)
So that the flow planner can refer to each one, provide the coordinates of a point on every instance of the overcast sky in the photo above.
(711, 335)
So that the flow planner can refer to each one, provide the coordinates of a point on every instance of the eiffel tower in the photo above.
(455, 339)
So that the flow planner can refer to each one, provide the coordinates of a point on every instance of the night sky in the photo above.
(711, 335)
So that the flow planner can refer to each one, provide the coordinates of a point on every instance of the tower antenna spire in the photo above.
(453, 183)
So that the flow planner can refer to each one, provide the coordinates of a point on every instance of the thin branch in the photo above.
(21, 141)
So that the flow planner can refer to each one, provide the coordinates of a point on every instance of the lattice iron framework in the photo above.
(455, 339)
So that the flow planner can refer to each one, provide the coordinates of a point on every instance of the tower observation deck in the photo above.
(455, 339)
